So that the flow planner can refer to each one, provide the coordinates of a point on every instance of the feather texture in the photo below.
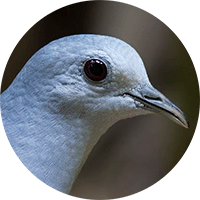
(54, 115)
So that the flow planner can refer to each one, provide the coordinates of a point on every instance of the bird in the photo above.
(66, 97)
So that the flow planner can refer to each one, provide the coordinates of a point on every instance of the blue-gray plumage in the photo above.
(58, 106)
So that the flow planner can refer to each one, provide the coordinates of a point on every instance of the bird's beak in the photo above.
(156, 102)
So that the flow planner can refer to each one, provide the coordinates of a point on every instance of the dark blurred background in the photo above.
(134, 153)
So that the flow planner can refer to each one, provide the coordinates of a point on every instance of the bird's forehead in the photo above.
(126, 64)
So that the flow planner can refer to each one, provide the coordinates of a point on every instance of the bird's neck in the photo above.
(52, 147)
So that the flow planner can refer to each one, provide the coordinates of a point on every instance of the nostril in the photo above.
(152, 98)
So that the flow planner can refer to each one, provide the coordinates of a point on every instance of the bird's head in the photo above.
(100, 78)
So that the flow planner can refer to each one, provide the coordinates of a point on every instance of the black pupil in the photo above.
(96, 68)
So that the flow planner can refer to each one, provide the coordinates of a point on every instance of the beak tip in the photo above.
(186, 121)
(188, 125)
(182, 119)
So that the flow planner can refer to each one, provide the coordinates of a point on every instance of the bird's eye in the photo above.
(95, 70)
